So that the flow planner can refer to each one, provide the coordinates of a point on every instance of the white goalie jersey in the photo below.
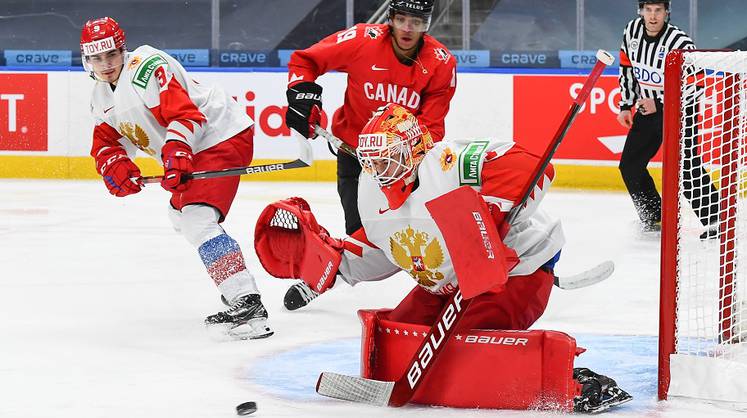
(156, 101)
(408, 238)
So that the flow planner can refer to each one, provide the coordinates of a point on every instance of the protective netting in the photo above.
(711, 313)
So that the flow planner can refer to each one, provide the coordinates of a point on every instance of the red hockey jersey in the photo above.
(376, 77)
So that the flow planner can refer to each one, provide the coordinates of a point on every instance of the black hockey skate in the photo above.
(298, 296)
(246, 319)
(598, 392)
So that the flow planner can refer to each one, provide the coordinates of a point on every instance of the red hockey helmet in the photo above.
(101, 35)
(390, 148)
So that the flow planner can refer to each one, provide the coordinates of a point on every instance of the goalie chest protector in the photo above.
(408, 235)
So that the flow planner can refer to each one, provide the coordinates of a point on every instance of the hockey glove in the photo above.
(291, 244)
(177, 166)
(304, 108)
(118, 172)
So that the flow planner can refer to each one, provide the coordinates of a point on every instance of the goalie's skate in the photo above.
(598, 392)
(298, 296)
(245, 319)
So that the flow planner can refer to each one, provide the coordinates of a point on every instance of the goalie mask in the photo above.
(98, 37)
(390, 148)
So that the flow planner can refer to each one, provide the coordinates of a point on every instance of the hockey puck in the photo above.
(246, 408)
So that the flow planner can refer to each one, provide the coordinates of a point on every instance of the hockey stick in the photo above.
(335, 141)
(398, 393)
(587, 278)
(305, 159)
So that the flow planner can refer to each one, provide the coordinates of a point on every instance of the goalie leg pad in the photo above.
(290, 244)
(502, 369)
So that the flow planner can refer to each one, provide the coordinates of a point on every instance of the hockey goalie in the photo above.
(437, 212)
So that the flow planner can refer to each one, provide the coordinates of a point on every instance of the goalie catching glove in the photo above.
(290, 244)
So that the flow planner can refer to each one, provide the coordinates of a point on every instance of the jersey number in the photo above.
(347, 35)
(161, 76)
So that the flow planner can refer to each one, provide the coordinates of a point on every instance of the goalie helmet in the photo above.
(100, 35)
(418, 8)
(390, 148)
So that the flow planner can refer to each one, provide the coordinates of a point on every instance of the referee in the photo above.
(646, 42)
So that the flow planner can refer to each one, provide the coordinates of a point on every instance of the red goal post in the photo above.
(703, 315)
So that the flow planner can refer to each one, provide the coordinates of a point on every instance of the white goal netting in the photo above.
(710, 334)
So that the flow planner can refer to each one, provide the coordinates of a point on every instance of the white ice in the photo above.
(102, 308)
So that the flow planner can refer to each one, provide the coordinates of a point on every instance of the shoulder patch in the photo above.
(145, 71)
(373, 32)
(448, 159)
(134, 62)
(441, 54)
(470, 167)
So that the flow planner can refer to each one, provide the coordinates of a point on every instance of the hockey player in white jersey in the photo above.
(144, 99)
(404, 174)
(404, 168)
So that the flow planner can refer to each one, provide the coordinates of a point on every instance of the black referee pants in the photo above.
(642, 143)
(348, 171)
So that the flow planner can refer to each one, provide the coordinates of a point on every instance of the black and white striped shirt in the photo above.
(642, 61)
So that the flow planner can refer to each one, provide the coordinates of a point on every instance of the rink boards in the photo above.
(45, 126)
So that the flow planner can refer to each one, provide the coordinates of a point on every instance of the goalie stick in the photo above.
(358, 389)
(305, 159)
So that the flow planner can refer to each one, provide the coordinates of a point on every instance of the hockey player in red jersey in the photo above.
(145, 100)
(404, 171)
(395, 62)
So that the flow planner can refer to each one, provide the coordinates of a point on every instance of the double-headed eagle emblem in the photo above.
(137, 136)
(414, 254)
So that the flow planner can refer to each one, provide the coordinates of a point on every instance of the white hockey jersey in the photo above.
(156, 101)
(408, 239)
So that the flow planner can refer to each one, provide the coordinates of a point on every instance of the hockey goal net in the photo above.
(703, 310)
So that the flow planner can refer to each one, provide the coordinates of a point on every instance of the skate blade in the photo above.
(611, 403)
(253, 329)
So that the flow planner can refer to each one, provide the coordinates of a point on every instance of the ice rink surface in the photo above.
(102, 308)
